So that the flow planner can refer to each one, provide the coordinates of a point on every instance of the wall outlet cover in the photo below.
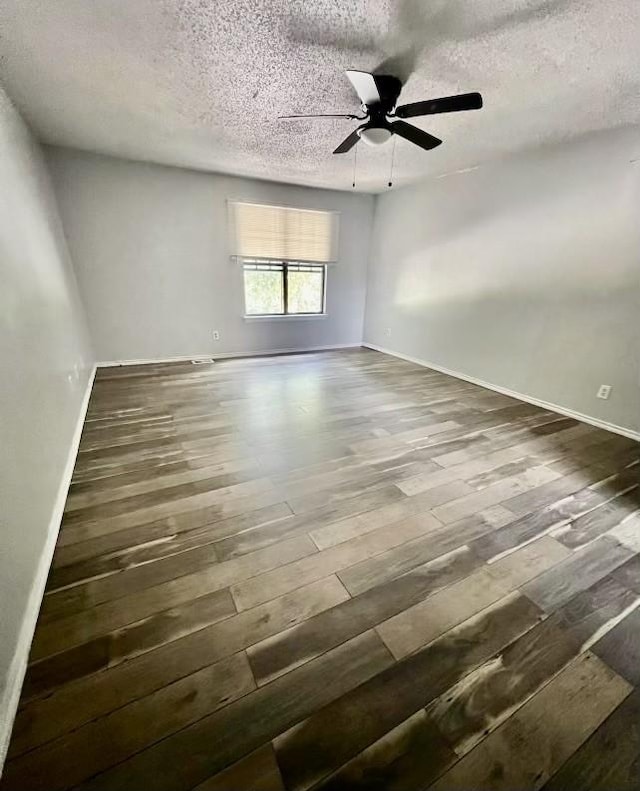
(604, 391)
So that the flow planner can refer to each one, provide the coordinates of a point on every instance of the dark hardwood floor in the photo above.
(335, 571)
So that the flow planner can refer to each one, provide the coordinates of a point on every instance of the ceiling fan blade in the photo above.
(365, 86)
(415, 135)
(448, 104)
(348, 143)
(324, 115)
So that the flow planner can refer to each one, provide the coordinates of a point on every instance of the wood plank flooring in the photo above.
(335, 571)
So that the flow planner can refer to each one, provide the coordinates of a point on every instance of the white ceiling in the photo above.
(200, 82)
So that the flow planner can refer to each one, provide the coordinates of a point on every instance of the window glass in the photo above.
(276, 289)
(305, 290)
(263, 291)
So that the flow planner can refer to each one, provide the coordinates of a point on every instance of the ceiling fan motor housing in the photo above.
(389, 88)
(377, 130)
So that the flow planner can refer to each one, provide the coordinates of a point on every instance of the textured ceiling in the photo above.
(200, 82)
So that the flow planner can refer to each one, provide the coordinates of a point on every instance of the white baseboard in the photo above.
(626, 432)
(15, 678)
(228, 355)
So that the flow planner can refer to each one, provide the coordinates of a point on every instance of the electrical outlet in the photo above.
(387, 332)
(216, 335)
(604, 391)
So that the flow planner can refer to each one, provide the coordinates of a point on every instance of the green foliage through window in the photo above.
(263, 292)
(283, 289)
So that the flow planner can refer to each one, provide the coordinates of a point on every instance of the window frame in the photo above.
(284, 266)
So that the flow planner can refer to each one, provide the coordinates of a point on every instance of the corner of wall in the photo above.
(45, 407)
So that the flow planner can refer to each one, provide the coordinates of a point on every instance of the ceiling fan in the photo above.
(378, 94)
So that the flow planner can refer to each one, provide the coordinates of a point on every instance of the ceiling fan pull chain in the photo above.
(355, 161)
(393, 151)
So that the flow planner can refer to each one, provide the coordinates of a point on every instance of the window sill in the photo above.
(291, 317)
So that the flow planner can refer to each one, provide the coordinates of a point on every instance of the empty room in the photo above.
(320, 402)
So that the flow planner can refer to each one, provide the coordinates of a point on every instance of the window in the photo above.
(283, 289)
(284, 253)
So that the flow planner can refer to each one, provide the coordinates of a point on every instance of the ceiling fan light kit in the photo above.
(378, 94)
(374, 135)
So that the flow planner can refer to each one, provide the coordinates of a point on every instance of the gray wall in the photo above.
(524, 273)
(149, 244)
(45, 363)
